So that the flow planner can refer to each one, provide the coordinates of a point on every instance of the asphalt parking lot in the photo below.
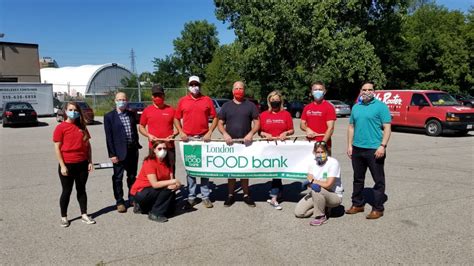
(428, 216)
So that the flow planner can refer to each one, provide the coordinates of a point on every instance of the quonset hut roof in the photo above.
(86, 79)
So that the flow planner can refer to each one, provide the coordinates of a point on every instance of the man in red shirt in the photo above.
(157, 122)
(194, 110)
(318, 117)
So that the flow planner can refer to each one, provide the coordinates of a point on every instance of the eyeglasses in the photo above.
(321, 143)
(160, 148)
(158, 94)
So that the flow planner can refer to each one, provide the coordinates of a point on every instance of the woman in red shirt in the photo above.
(73, 151)
(275, 124)
(154, 189)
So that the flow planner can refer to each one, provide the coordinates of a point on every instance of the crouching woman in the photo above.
(324, 179)
(154, 189)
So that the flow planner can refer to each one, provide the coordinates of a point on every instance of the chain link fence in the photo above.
(103, 103)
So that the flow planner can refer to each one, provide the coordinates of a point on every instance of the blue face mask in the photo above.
(73, 114)
(318, 95)
(121, 104)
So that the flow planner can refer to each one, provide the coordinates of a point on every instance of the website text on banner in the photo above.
(285, 160)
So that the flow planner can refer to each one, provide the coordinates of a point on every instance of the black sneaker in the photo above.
(136, 208)
(159, 218)
(249, 201)
(229, 201)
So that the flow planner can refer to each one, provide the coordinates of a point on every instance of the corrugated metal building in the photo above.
(86, 79)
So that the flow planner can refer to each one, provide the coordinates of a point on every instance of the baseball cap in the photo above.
(194, 78)
(157, 89)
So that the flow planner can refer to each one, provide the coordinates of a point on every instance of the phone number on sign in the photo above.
(18, 97)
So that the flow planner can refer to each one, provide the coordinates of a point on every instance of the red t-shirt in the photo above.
(157, 167)
(159, 121)
(73, 147)
(195, 113)
(316, 116)
(275, 123)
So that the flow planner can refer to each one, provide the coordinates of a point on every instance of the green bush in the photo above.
(436, 86)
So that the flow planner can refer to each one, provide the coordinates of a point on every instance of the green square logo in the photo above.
(193, 155)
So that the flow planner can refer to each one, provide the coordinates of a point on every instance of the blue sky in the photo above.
(78, 32)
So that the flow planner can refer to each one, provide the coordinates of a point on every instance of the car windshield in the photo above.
(221, 102)
(136, 105)
(337, 102)
(19, 106)
(441, 99)
(83, 105)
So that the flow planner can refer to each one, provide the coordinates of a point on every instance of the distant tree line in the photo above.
(287, 45)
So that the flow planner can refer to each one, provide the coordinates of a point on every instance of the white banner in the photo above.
(284, 160)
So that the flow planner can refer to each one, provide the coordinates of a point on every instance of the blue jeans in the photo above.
(192, 185)
(277, 186)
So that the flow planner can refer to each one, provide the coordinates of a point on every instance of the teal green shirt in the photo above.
(368, 120)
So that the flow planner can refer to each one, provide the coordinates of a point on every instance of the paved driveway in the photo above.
(428, 216)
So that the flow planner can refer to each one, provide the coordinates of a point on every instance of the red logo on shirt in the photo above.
(314, 113)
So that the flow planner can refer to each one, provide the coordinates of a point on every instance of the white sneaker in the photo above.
(274, 204)
(64, 222)
(87, 219)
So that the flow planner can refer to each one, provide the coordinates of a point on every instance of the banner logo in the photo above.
(193, 155)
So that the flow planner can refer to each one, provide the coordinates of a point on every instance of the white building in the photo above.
(86, 79)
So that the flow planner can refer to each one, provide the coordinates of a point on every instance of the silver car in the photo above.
(218, 102)
(342, 109)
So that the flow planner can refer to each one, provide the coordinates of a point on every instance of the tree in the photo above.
(131, 82)
(439, 48)
(224, 70)
(287, 45)
(195, 47)
(167, 72)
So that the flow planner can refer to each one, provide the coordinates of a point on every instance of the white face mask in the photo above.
(193, 89)
(160, 153)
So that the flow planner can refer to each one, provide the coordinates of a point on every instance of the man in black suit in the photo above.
(122, 145)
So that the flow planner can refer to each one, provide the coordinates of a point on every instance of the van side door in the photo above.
(418, 110)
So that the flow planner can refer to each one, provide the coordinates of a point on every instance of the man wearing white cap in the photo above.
(194, 110)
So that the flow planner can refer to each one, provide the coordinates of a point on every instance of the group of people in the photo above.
(153, 190)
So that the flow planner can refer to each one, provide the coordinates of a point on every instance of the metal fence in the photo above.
(103, 103)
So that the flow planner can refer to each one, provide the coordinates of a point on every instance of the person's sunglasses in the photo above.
(321, 143)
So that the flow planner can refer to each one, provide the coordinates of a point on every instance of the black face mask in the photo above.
(275, 104)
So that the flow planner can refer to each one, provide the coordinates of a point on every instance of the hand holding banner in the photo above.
(287, 160)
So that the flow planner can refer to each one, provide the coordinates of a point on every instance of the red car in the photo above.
(86, 110)
(257, 104)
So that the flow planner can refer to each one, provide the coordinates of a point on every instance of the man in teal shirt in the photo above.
(367, 137)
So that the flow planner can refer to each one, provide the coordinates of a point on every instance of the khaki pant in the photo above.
(316, 202)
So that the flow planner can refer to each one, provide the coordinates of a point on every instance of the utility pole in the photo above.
(134, 71)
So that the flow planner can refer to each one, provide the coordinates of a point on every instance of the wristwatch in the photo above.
(383, 145)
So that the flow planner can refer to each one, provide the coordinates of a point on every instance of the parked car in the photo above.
(218, 103)
(295, 108)
(466, 100)
(136, 108)
(432, 110)
(86, 110)
(257, 104)
(342, 109)
(16, 113)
